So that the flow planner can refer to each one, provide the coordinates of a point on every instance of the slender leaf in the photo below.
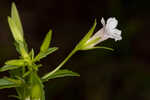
(26, 74)
(102, 47)
(23, 49)
(15, 31)
(8, 67)
(44, 54)
(31, 54)
(15, 17)
(16, 62)
(5, 83)
(61, 73)
(17, 47)
(46, 43)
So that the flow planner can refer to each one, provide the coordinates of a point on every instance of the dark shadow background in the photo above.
(123, 74)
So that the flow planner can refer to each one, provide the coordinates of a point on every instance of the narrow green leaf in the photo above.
(87, 36)
(31, 53)
(61, 73)
(5, 83)
(15, 31)
(23, 49)
(46, 43)
(25, 46)
(16, 27)
(15, 17)
(17, 47)
(8, 67)
(26, 74)
(16, 62)
(17, 81)
(45, 53)
(101, 47)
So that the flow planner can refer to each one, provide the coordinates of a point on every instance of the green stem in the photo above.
(61, 64)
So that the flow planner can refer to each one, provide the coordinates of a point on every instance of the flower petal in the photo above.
(103, 21)
(116, 34)
(116, 31)
(111, 23)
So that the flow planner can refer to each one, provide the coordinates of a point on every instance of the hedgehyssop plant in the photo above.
(24, 70)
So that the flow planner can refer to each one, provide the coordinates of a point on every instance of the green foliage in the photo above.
(23, 71)
(43, 54)
(101, 47)
(15, 31)
(31, 54)
(37, 92)
(23, 50)
(16, 62)
(46, 43)
(60, 73)
(8, 67)
(8, 83)
(15, 17)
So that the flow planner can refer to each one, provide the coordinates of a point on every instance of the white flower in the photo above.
(108, 30)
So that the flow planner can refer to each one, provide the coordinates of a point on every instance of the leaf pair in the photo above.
(44, 49)
(17, 31)
(43, 54)
(15, 24)
(21, 46)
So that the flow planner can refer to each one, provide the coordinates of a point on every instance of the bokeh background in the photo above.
(122, 74)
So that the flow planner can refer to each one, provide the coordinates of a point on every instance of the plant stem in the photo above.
(61, 64)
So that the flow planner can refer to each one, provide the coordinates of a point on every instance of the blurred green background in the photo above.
(123, 74)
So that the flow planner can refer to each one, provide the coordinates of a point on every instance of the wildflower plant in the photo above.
(24, 70)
